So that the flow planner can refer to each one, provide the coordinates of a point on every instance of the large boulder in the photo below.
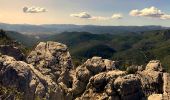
(97, 65)
(156, 97)
(154, 65)
(13, 52)
(52, 59)
(29, 81)
(152, 82)
(101, 86)
(129, 87)
(14, 73)
(86, 71)
(152, 78)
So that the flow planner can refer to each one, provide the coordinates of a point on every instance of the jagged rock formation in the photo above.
(85, 73)
(52, 59)
(26, 79)
(49, 74)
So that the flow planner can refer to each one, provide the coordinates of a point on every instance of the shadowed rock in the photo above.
(13, 52)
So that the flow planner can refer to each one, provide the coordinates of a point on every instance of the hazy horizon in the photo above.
(89, 12)
(78, 24)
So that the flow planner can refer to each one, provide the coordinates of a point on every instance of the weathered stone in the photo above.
(110, 65)
(154, 65)
(83, 74)
(52, 59)
(14, 73)
(129, 87)
(95, 65)
(98, 82)
(50, 75)
(26, 79)
(78, 87)
(156, 97)
(151, 82)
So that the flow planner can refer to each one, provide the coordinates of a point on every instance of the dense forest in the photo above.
(128, 49)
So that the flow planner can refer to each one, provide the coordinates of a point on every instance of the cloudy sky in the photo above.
(96, 12)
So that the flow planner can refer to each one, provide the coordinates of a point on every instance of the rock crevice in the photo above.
(48, 73)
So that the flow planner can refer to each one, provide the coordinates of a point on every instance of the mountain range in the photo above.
(47, 29)
(129, 49)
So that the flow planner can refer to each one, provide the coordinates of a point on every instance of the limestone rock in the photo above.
(98, 82)
(26, 79)
(48, 74)
(83, 74)
(52, 59)
(156, 97)
(154, 65)
(90, 68)
(151, 78)
(14, 73)
(129, 87)
(97, 65)
(78, 87)
(101, 86)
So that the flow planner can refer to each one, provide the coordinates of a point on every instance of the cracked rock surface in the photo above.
(48, 73)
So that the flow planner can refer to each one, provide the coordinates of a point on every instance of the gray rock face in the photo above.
(154, 65)
(49, 74)
(129, 87)
(12, 51)
(86, 71)
(151, 78)
(26, 79)
(52, 59)
(97, 65)
(117, 85)
(101, 86)
(14, 73)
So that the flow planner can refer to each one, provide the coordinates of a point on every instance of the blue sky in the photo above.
(96, 12)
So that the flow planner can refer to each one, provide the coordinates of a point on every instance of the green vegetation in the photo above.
(129, 49)
(15, 39)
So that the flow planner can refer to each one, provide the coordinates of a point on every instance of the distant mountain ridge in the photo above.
(138, 48)
(59, 28)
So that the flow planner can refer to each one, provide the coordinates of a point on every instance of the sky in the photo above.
(86, 12)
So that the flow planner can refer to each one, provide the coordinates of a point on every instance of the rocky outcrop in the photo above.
(48, 73)
(156, 97)
(154, 65)
(52, 59)
(151, 78)
(102, 86)
(87, 70)
(12, 51)
(124, 86)
(129, 87)
(27, 80)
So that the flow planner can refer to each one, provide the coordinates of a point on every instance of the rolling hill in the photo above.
(138, 48)
(130, 48)
(60, 28)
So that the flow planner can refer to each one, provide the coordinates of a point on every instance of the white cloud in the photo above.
(34, 9)
(99, 18)
(81, 15)
(117, 16)
(165, 17)
(86, 15)
(151, 12)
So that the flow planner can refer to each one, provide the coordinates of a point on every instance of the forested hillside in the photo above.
(128, 49)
